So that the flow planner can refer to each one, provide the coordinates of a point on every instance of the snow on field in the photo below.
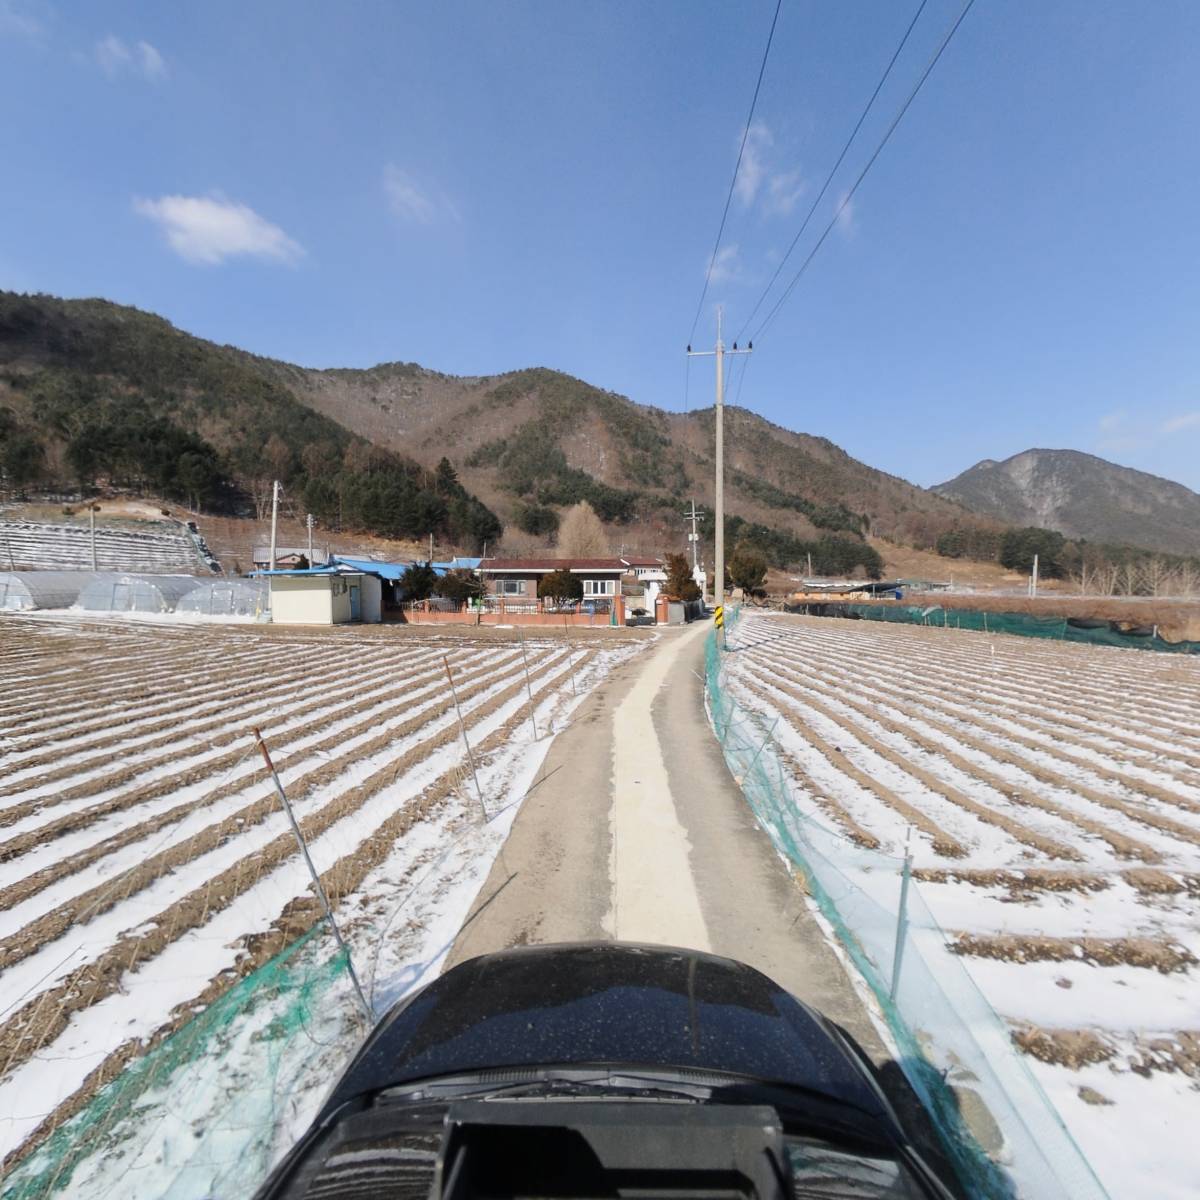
(1052, 796)
(146, 865)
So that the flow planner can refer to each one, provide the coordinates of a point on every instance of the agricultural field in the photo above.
(1050, 796)
(145, 863)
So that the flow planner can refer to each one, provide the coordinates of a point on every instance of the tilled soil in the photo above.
(121, 768)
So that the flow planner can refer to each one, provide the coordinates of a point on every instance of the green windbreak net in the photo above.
(208, 1111)
(1062, 629)
(999, 1129)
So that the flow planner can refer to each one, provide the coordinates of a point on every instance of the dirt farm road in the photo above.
(636, 831)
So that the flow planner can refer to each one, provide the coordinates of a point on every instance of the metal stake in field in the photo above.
(312, 870)
(528, 685)
(466, 741)
(570, 654)
(901, 917)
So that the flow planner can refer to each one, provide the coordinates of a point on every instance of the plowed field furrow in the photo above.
(346, 874)
(1035, 706)
(930, 684)
(40, 1019)
(854, 682)
(207, 854)
(820, 796)
(165, 785)
(137, 752)
(194, 687)
(294, 759)
(1051, 847)
(884, 711)
(1142, 797)
(1041, 685)
(160, 678)
(68, 675)
(943, 843)
(1026, 665)
(228, 811)
(137, 733)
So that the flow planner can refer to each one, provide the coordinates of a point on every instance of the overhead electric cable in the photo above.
(737, 167)
(770, 317)
(834, 169)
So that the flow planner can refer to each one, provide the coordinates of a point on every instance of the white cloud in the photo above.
(783, 193)
(141, 58)
(412, 200)
(18, 23)
(753, 167)
(210, 229)
(1111, 421)
(846, 225)
(152, 63)
(758, 181)
(1183, 421)
(726, 266)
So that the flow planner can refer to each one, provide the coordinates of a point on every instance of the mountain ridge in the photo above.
(1083, 496)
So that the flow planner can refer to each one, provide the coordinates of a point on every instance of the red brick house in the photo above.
(515, 580)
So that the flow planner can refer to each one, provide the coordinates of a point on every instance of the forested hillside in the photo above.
(91, 392)
(96, 394)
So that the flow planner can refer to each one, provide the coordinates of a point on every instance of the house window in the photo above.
(510, 587)
(599, 587)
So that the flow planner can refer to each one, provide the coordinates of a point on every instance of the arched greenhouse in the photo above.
(137, 593)
(21, 591)
(227, 598)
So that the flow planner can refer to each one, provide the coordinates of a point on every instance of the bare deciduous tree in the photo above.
(581, 533)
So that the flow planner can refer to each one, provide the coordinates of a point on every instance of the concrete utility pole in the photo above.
(274, 520)
(308, 520)
(719, 506)
(694, 537)
(1033, 579)
(92, 523)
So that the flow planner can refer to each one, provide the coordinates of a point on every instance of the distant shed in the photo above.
(137, 593)
(227, 598)
(22, 591)
(324, 596)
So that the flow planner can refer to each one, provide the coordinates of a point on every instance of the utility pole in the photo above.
(694, 536)
(308, 520)
(92, 523)
(431, 549)
(1033, 579)
(274, 520)
(719, 507)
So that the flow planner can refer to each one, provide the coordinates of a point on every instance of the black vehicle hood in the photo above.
(606, 1004)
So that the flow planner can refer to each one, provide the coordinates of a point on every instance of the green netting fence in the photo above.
(1090, 632)
(208, 1111)
(997, 1125)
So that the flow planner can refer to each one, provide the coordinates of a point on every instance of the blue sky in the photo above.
(484, 186)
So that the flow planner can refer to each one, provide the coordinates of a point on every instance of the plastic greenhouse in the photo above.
(227, 598)
(136, 593)
(23, 590)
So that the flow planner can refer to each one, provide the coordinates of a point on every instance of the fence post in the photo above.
(901, 921)
(570, 654)
(528, 685)
(466, 741)
(312, 870)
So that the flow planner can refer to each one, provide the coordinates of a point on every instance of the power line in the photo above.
(863, 174)
(834, 169)
(737, 167)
